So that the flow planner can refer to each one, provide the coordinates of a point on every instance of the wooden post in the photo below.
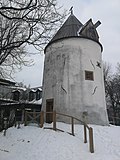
(25, 119)
(54, 120)
(5, 126)
(113, 120)
(72, 123)
(91, 140)
(18, 125)
(34, 115)
(85, 134)
(15, 124)
(23, 114)
(41, 119)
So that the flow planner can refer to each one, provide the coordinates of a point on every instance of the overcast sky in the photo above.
(107, 11)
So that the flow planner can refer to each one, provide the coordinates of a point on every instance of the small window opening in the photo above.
(89, 75)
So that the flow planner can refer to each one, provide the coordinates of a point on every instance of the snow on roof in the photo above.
(32, 90)
(36, 101)
(40, 89)
(6, 99)
(37, 88)
(18, 88)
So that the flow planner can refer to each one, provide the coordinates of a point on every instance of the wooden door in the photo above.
(49, 108)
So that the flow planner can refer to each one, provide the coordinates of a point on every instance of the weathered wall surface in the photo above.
(64, 79)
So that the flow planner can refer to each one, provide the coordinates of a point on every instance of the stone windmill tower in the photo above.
(73, 76)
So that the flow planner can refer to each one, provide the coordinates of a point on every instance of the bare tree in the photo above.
(24, 23)
(107, 75)
(11, 57)
(112, 89)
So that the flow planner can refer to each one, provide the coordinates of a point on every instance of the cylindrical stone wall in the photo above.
(68, 67)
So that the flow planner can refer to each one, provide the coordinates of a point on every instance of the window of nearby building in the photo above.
(16, 95)
(31, 95)
(89, 75)
(38, 94)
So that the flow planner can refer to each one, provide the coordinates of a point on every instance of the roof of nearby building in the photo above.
(6, 82)
(74, 28)
(36, 89)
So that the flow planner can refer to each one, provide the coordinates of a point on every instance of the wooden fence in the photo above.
(33, 116)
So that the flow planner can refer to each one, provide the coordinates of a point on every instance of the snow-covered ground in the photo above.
(34, 143)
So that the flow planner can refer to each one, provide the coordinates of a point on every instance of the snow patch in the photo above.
(32, 142)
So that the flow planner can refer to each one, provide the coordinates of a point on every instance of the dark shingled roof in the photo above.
(69, 28)
(74, 28)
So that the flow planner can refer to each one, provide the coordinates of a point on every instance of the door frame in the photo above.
(49, 108)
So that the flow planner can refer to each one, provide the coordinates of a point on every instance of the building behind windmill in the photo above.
(73, 75)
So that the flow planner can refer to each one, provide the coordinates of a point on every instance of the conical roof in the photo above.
(69, 29)
(74, 28)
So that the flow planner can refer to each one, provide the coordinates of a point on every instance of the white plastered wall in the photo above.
(64, 79)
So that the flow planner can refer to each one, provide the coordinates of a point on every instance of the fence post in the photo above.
(54, 120)
(34, 115)
(85, 134)
(15, 122)
(23, 114)
(41, 119)
(5, 126)
(72, 123)
(91, 140)
(25, 119)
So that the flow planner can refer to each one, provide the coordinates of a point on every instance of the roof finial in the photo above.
(71, 10)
